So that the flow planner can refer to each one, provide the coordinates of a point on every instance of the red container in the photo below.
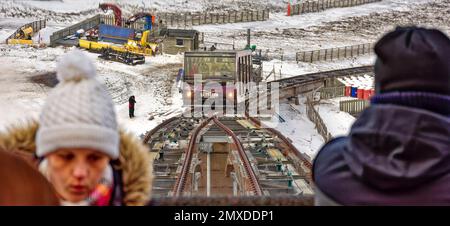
(367, 93)
(348, 90)
(360, 93)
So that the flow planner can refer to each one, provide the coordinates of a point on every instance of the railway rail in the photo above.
(271, 164)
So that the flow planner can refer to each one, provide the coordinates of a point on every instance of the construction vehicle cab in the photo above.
(25, 33)
(24, 36)
(141, 46)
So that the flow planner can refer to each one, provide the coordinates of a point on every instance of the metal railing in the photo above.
(314, 116)
(353, 107)
(334, 53)
(284, 200)
(332, 92)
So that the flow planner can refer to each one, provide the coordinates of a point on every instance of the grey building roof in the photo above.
(183, 33)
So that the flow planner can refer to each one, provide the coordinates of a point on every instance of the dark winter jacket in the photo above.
(394, 155)
(131, 102)
(133, 166)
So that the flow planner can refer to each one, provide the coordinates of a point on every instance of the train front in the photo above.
(211, 79)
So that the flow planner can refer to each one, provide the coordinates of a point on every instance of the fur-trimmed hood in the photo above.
(134, 161)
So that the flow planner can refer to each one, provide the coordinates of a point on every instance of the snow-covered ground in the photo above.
(151, 83)
(337, 27)
(338, 122)
(302, 131)
(299, 128)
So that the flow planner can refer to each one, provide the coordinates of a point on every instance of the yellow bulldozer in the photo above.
(24, 36)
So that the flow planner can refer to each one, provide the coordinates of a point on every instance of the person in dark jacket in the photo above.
(131, 102)
(398, 150)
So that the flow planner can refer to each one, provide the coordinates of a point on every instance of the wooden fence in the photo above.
(332, 92)
(353, 107)
(320, 5)
(110, 20)
(314, 116)
(334, 53)
(36, 25)
(189, 19)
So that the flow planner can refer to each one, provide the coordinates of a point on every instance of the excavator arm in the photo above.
(117, 12)
(148, 19)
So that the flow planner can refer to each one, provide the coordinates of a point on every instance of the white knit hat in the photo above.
(79, 112)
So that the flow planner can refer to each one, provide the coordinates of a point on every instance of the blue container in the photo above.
(148, 23)
(354, 92)
(114, 34)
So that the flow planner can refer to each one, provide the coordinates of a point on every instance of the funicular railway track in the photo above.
(307, 78)
(248, 139)
(173, 172)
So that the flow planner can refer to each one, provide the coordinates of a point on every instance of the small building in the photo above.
(176, 41)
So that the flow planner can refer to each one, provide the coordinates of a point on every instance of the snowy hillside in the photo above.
(27, 73)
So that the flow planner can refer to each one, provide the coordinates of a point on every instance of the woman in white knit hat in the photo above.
(78, 144)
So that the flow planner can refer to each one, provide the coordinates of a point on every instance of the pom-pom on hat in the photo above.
(79, 112)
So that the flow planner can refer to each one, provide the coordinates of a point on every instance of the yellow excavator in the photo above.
(24, 36)
(142, 46)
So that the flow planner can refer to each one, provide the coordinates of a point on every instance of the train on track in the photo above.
(218, 79)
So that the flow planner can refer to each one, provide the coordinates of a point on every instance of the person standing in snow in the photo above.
(398, 150)
(78, 145)
(131, 102)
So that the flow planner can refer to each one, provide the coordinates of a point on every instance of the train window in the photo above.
(180, 42)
